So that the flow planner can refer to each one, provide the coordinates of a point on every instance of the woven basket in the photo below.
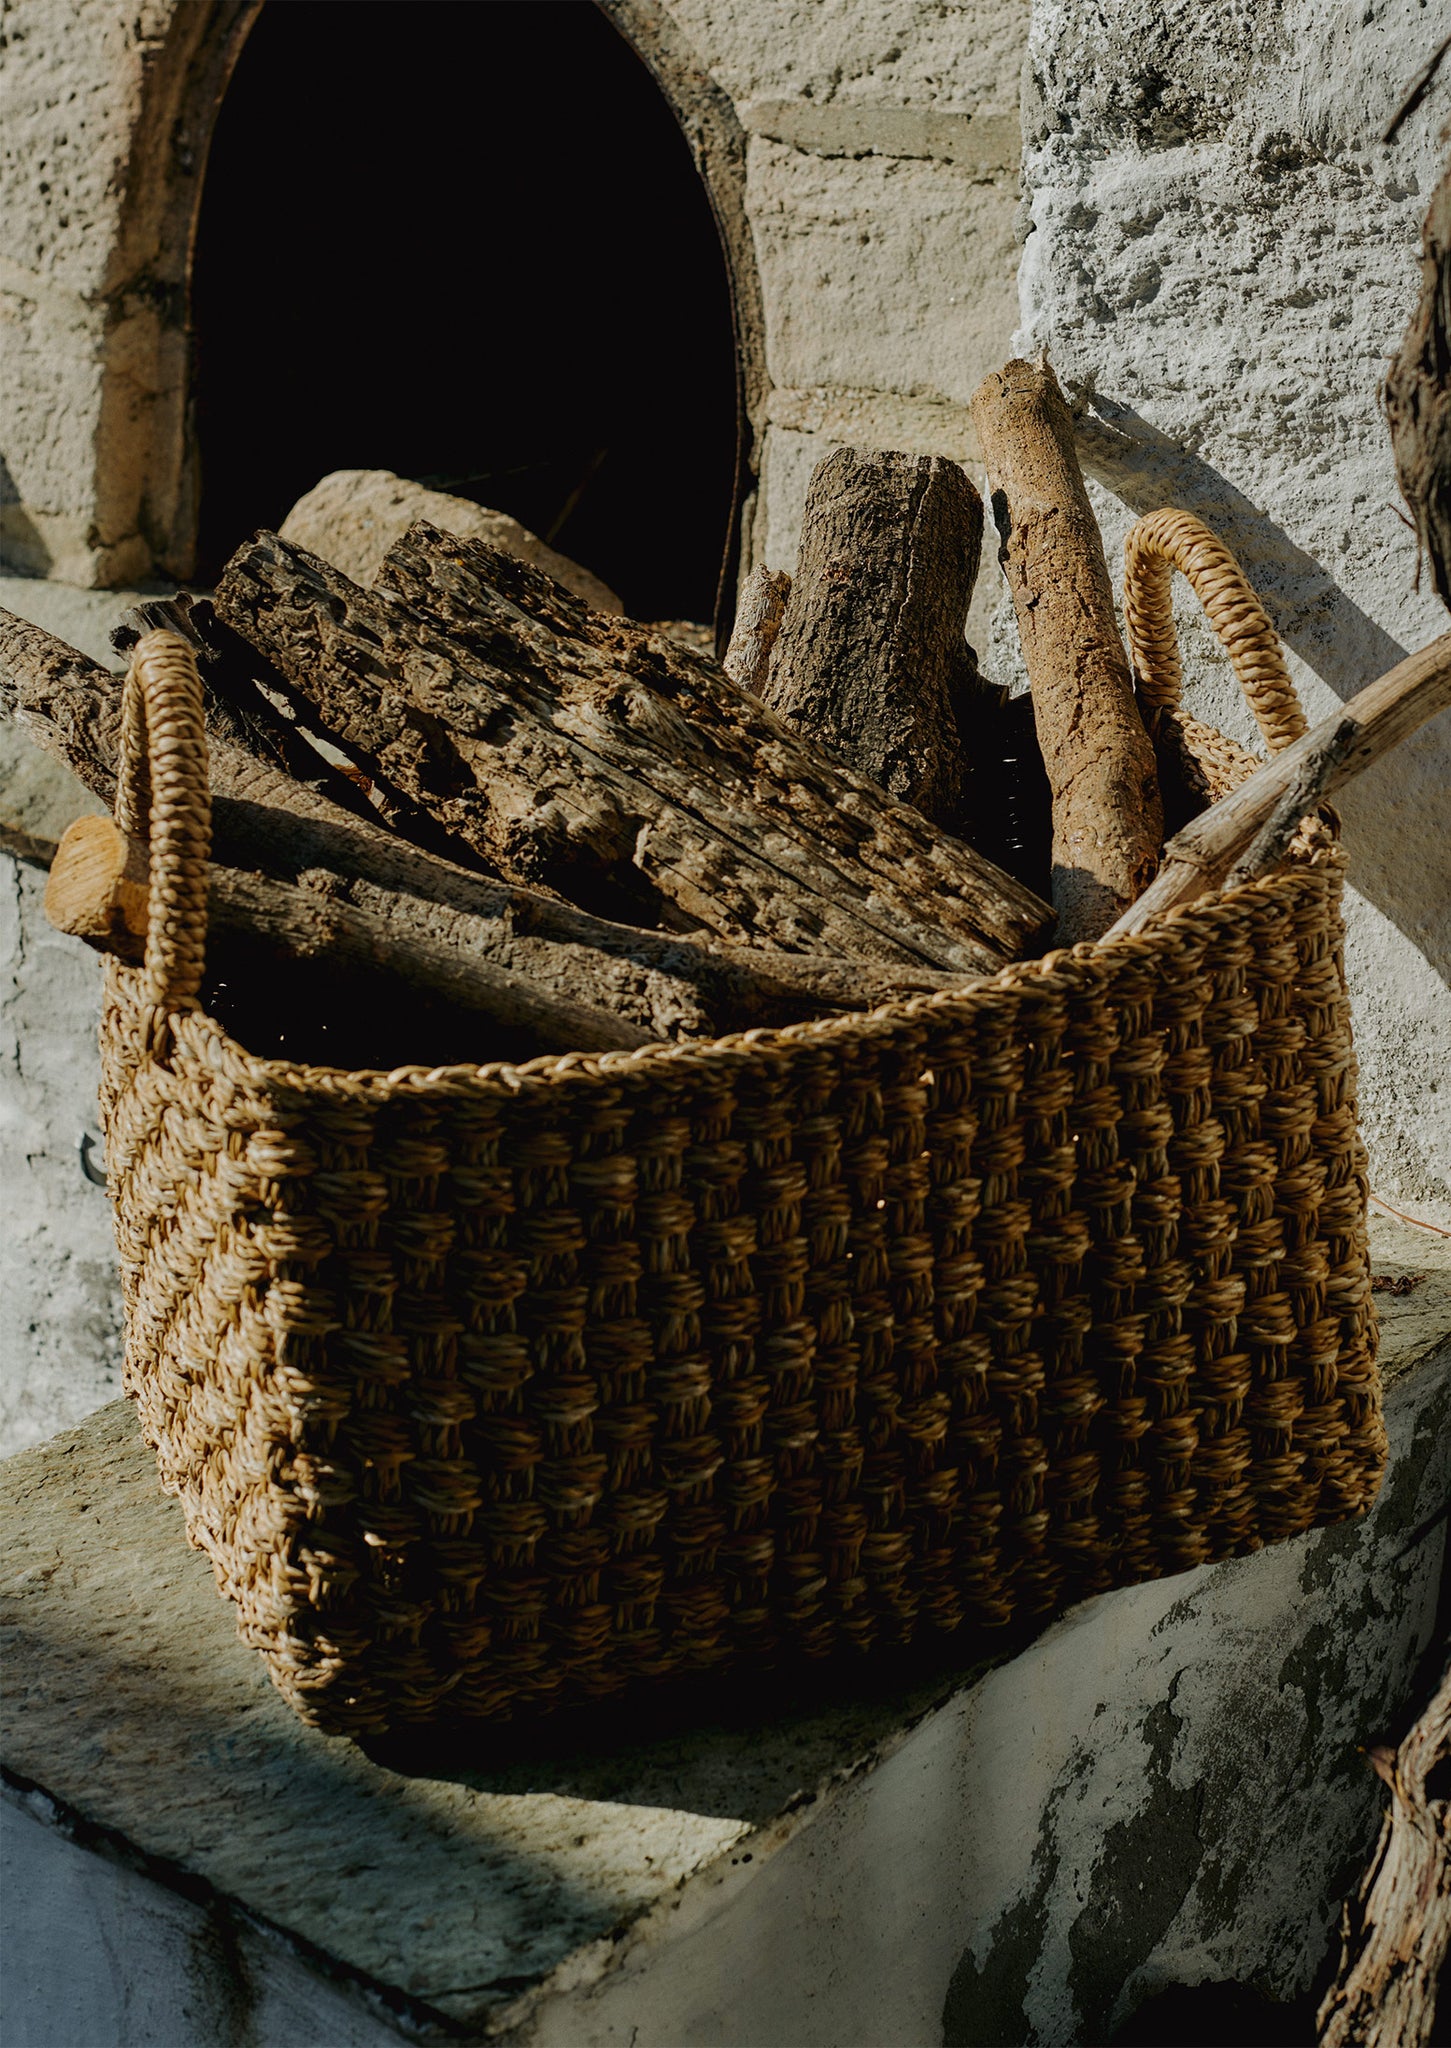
(488, 1389)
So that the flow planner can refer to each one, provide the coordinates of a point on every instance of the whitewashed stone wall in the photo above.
(1222, 257)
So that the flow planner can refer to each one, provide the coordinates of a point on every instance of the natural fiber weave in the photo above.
(489, 1389)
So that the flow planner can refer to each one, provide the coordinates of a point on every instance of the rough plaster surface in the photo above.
(60, 1310)
(1165, 1788)
(60, 1320)
(958, 59)
(94, 371)
(1222, 256)
(208, 1977)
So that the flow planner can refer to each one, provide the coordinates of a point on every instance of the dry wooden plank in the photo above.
(1108, 820)
(1246, 833)
(870, 657)
(669, 985)
(620, 769)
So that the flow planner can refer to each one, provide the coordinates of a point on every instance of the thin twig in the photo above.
(1416, 94)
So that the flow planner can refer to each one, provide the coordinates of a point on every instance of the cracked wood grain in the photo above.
(586, 756)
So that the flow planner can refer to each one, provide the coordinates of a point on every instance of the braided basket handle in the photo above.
(1158, 545)
(164, 798)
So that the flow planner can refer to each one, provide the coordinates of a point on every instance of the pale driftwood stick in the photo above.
(870, 656)
(1417, 396)
(1245, 834)
(668, 985)
(758, 621)
(625, 772)
(1397, 1933)
(98, 892)
(1108, 820)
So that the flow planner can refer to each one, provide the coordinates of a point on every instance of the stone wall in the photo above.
(105, 115)
(863, 164)
(1222, 255)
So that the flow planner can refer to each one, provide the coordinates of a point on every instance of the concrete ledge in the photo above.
(1164, 1788)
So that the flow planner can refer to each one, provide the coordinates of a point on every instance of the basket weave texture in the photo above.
(491, 1389)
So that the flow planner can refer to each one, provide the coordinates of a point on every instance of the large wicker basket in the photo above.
(489, 1389)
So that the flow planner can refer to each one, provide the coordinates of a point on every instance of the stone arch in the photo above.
(146, 455)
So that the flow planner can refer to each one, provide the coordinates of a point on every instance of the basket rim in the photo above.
(1315, 849)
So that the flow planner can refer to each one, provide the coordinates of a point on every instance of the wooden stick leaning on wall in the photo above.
(1396, 1936)
(667, 985)
(1108, 820)
(1417, 396)
(870, 659)
(1246, 833)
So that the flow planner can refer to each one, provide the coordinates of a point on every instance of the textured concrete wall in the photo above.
(1222, 257)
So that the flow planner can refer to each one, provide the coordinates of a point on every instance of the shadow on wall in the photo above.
(1397, 816)
(22, 551)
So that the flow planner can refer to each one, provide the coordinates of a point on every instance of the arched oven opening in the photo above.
(467, 243)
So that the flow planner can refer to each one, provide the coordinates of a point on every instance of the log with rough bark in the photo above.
(98, 891)
(758, 621)
(870, 659)
(1397, 1932)
(262, 820)
(1417, 396)
(1108, 820)
(1246, 833)
(244, 696)
(592, 758)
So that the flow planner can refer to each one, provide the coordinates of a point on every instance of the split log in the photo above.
(586, 755)
(1397, 1934)
(244, 695)
(1417, 396)
(870, 659)
(1108, 820)
(1246, 833)
(98, 891)
(670, 987)
(758, 621)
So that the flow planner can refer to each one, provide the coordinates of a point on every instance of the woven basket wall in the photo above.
(491, 1389)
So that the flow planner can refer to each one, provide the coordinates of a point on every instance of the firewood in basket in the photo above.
(668, 985)
(98, 891)
(244, 695)
(870, 660)
(758, 621)
(1108, 819)
(583, 754)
